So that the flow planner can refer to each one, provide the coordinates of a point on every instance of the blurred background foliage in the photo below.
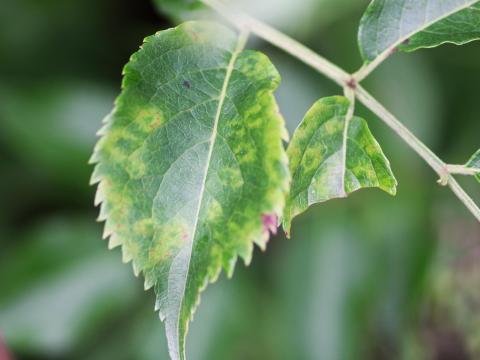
(371, 277)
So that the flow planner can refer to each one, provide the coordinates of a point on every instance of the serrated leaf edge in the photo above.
(114, 241)
(287, 224)
(395, 45)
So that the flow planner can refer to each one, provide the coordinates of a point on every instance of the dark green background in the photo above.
(371, 277)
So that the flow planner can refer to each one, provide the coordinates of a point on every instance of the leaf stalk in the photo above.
(367, 69)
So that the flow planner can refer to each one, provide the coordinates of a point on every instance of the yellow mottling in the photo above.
(232, 177)
(332, 127)
(371, 149)
(130, 250)
(149, 119)
(214, 210)
(135, 166)
(144, 227)
(166, 241)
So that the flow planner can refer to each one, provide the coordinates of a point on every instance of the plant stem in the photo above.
(462, 170)
(350, 82)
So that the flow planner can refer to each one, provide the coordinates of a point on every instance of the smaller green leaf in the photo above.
(474, 163)
(332, 156)
(408, 25)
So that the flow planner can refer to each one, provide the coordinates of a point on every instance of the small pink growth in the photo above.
(270, 223)
(4, 353)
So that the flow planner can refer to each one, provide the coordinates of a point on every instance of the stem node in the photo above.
(352, 84)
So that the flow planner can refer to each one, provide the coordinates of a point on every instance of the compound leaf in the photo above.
(409, 25)
(332, 156)
(191, 167)
(474, 163)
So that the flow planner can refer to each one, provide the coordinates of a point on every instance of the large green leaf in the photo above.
(412, 24)
(474, 163)
(191, 167)
(332, 156)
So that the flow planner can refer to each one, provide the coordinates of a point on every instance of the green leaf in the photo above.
(409, 25)
(71, 108)
(474, 163)
(191, 167)
(332, 156)
(60, 266)
(179, 9)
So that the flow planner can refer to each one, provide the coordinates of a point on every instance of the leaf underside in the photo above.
(409, 25)
(191, 167)
(474, 163)
(324, 166)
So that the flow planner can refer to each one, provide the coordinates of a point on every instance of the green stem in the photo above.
(351, 82)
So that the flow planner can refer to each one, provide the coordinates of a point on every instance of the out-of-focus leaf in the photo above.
(345, 308)
(474, 163)
(451, 327)
(332, 156)
(52, 127)
(191, 167)
(411, 24)
(139, 337)
(58, 286)
(330, 312)
(295, 100)
(412, 90)
(229, 334)
(283, 14)
(46, 249)
(315, 15)
(180, 9)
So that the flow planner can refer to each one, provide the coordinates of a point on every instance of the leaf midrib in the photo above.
(223, 95)
(347, 119)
